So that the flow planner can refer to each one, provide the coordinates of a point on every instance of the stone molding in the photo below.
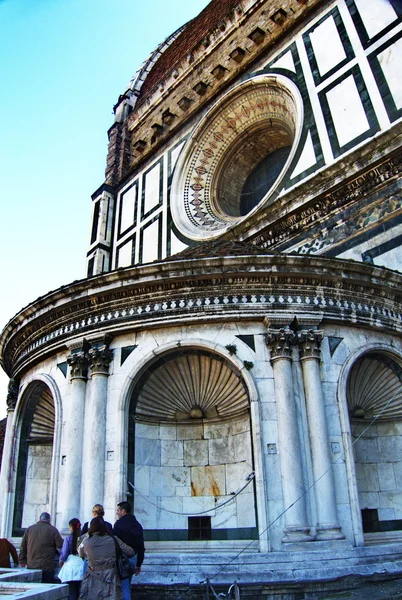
(12, 393)
(204, 290)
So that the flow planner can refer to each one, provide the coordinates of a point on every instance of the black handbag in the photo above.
(124, 568)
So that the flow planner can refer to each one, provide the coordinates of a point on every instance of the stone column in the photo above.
(99, 357)
(296, 528)
(8, 463)
(74, 434)
(328, 527)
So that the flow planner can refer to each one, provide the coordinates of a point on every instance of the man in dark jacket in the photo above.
(129, 531)
(39, 546)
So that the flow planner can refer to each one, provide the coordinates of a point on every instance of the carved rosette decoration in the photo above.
(12, 393)
(279, 342)
(251, 121)
(78, 363)
(99, 359)
(309, 343)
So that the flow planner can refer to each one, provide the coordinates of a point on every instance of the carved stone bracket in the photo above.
(279, 342)
(12, 393)
(309, 343)
(78, 364)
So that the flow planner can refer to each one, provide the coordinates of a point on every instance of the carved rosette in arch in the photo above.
(256, 119)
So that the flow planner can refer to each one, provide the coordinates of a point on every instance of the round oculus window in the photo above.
(236, 158)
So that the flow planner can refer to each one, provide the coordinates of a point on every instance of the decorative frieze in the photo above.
(322, 206)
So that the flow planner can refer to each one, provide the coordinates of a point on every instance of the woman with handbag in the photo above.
(71, 564)
(102, 579)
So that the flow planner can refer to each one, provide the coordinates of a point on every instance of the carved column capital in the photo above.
(12, 393)
(279, 342)
(309, 343)
(78, 363)
(99, 359)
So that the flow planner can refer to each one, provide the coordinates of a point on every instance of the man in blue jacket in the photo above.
(130, 531)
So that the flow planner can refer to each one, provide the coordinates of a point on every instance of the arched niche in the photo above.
(374, 399)
(35, 457)
(190, 448)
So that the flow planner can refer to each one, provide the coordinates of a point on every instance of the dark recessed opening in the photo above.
(262, 178)
(199, 528)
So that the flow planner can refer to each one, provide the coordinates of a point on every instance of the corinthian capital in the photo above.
(279, 342)
(78, 364)
(12, 393)
(309, 343)
(99, 359)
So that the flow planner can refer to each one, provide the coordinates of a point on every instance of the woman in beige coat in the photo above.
(101, 579)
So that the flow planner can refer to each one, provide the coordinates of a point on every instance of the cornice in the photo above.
(203, 290)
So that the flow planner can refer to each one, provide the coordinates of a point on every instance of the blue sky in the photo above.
(63, 65)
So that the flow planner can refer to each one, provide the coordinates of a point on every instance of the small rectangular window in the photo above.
(199, 528)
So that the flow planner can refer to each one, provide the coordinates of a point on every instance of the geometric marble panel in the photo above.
(327, 46)
(284, 62)
(150, 242)
(347, 111)
(307, 157)
(152, 182)
(391, 65)
(376, 15)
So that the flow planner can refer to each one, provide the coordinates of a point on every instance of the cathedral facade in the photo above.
(232, 362)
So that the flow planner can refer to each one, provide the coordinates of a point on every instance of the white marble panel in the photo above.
(146, 512)
(236, 476)
(347, 111)
(36, 491)
(190, 432)
(390, 448)
(369, 500)
(164, 481)
(168, 432)
(390, 61)
(386, 514)
(391, 500)
(196, 453)
(366, 450)
(171, 453)
(307, 157)
(375, 14)
(198, 504)
(341, 483)
(174, 155)
(125, 254)
(150, 241)
(246, 509)
(285, 62)
(367, 478)
(148, 452)
(242, 447)
(128, 200)
(168, 517)
(268, 411)
(225, 517)
(150, 432)
(208, 481)
(152, 188)
(175, 244)
(386, 477)
(327, 46)
(221, 451)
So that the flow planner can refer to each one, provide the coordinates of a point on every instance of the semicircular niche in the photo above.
(374, 388)
(189, 386)
(236, 158)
